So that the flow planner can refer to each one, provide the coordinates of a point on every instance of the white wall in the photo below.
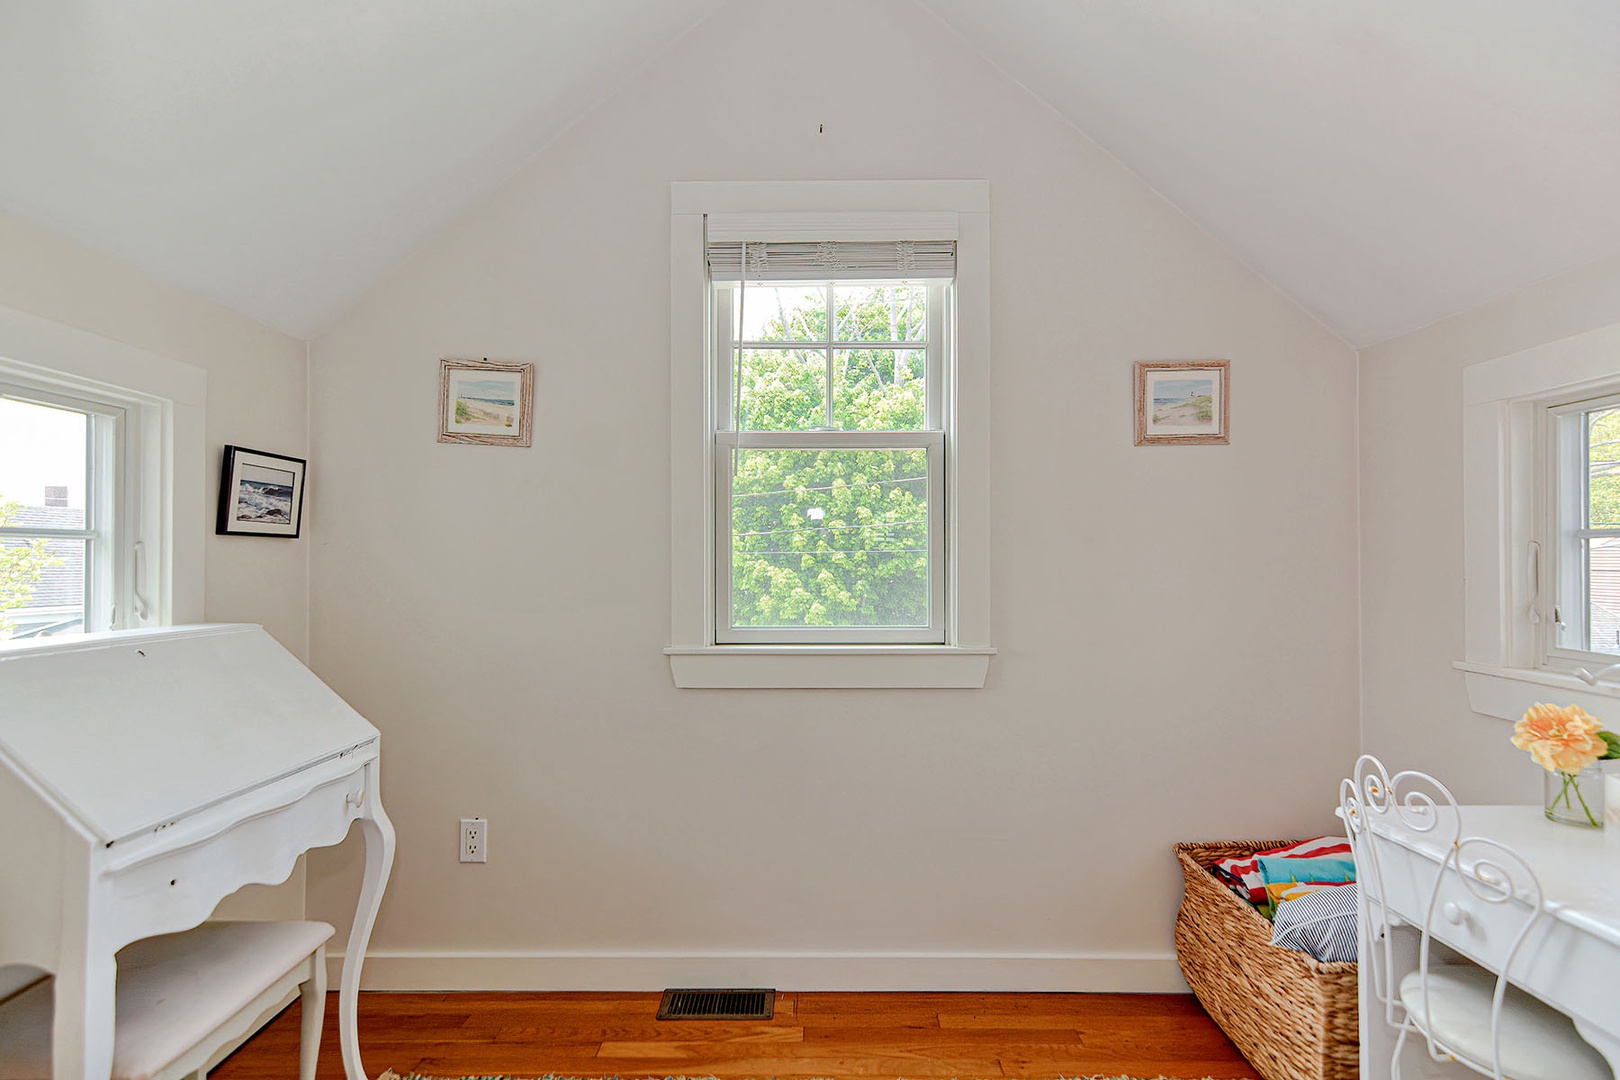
(1414, 710)
(257, 385)
(1177, 625)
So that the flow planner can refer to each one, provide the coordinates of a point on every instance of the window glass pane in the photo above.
(1603, 606)
(796, 312)
(881, 312)
(879, 389)
(41, 587)
(44, 480)
(1603, 467)
(830, 538)
(782, 390)
(43, 474)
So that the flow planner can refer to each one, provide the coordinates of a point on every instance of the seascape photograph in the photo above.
(264, 495)
(486, 402)
(1183, 402)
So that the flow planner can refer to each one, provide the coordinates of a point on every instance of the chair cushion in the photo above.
(1538, 1042)
(172, 992)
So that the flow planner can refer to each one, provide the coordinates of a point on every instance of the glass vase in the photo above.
(1611, 798)
(1575, 798)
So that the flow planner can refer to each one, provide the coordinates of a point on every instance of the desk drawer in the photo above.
(1570, 970)
(230, 846)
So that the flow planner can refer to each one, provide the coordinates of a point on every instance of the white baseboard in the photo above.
(387, 969)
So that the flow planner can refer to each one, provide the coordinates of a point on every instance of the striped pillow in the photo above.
(1322, 923)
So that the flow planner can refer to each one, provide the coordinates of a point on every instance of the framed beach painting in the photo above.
(1182, 401)
(484, 401)
(260, 494)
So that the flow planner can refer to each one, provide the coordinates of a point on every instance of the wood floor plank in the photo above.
(931, 1036)
(1186, 1068)
(688, 1042)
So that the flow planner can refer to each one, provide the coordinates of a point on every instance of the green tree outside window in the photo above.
(834, 537)
(22, 564)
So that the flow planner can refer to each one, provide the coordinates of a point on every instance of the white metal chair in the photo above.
(1464, 1012)
(184, 1001)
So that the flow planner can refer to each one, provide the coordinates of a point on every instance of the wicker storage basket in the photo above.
(1291, 1015)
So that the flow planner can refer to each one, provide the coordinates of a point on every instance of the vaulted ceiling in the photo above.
(1385, 162)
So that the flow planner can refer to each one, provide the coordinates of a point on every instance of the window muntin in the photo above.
(1581, 533)
(830, 461)
(61, 470)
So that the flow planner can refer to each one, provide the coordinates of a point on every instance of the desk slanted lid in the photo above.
(133, 729)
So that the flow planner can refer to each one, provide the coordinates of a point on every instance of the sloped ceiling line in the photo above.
(1385, 163)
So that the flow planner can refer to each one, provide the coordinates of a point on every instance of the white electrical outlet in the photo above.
(474, 839)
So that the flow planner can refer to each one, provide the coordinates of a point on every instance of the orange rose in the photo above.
(1560, 739)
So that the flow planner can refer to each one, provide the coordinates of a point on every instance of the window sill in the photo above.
(829, 667)
(1508, 693)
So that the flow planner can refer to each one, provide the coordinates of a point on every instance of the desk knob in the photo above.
(1453, 914)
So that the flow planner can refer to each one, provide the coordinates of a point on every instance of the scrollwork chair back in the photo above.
(1416, 801)
(1373, 804)
(1498, 875)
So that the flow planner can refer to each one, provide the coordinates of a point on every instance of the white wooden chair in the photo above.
(185, 1001)
(1464, 1012)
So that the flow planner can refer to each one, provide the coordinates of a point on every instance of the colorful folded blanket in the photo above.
(1242, 874)
(1289, 876)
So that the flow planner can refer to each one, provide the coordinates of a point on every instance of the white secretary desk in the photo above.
(146, 775)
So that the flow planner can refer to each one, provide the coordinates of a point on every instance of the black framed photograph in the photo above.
(260, 494)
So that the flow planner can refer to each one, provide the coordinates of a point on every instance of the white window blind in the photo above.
(832, 260)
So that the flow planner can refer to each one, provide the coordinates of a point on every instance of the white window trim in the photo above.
(1503, 400)
(833, 210)
(165, 402)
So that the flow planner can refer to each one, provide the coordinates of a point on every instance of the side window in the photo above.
(1582, 534)
(66, 555)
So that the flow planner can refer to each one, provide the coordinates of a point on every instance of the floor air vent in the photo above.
(717, 1005)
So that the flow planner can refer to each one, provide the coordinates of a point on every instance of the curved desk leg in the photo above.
(378, 832)
(82, 1030)
(1607, 1043)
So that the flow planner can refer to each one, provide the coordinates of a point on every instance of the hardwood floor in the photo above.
(922, 1036)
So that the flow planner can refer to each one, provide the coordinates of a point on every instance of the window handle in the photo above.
(1592, 678)
(1533, 567)
(139, 584)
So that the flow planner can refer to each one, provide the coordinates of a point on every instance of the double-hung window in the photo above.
(830, 455)
(829, 483)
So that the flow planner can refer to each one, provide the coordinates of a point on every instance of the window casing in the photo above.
(1535, 521)
(953, 650)
(146, 441)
